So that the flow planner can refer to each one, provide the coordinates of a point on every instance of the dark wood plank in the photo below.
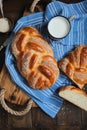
(69, 115)
(84, 128)
(20, 121)
(84, 119)
(42, 120)
(3, 118)
(14, 7)
(64, 128)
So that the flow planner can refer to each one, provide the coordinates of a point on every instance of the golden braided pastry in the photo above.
(75, 65)
(35, 59)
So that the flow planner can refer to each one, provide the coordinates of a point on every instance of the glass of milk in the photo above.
(5, 25)
(59, 27)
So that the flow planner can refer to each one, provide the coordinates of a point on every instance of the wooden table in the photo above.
(70, 117)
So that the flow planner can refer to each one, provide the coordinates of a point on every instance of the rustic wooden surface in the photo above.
(70, 117)
(14, 95)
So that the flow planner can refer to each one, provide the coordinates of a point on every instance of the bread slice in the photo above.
(74, 95)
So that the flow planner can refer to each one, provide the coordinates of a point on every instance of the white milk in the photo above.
(58, 27)
(4, 25)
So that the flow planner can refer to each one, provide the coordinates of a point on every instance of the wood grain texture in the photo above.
(13, 94)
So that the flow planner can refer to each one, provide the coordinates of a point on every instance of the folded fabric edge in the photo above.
(45, 109)
(60, 2)
(38, 14)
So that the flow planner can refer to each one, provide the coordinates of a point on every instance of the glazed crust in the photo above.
(35, 59)
(75, 65)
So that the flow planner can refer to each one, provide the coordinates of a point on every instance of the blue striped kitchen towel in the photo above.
(48, 99)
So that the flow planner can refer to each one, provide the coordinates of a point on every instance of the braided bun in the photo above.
(75, 65)
(35, 60)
